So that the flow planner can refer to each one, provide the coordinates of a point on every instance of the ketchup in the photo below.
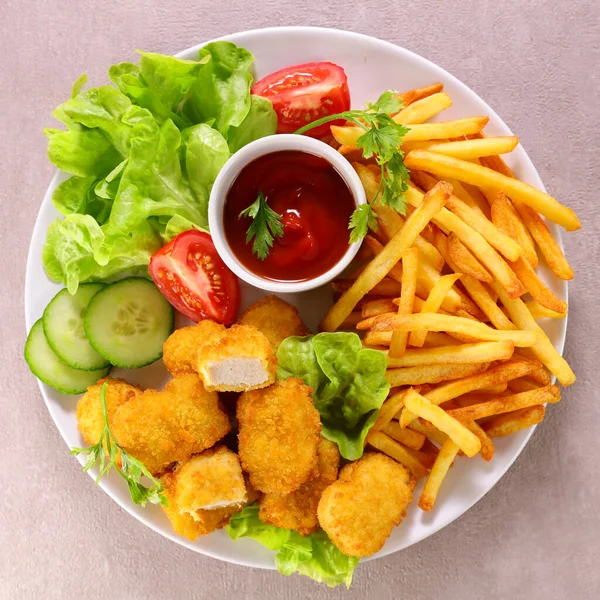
(315, 205)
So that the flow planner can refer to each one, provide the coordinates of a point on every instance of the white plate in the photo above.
(373, 66)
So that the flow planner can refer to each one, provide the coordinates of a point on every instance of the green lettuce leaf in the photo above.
(78, 249)
(348, 382)
(313, 556)
(221, 93)
(260, 121)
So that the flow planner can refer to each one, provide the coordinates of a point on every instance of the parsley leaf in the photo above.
(105, 455)
(382, 139)
(265, 227)
(361, 220)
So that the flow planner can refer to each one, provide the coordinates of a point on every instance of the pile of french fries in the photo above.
(443, 292)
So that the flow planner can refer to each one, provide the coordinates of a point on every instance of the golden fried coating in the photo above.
(159, 428)
(359, 510)
(202, 523)
(278, 436)
(298, 510)
(274, 317)
(236, 359)
(209, 480)
(89, 409)
(180, 351)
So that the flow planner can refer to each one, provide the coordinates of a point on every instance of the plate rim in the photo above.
(37, 231)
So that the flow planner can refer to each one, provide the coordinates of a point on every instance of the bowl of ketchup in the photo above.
(314, 191)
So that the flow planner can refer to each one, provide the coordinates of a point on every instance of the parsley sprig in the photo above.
(382, 139)
(265, 227)
(105, 455)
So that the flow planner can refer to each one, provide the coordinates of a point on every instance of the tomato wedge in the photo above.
(194, 279)
(304, 93)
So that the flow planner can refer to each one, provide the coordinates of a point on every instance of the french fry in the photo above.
(438, 472)
(418, 93)
(442, 130)
(479, 294)
(422, 110)
(432, 373)
(398, 452)
(535, 224)
(456, 431)
(429, 432)
(506, 219)
(498, 239)
(435, 339)
(388, 411)
(427, 277)
(543, 348)
(487, 446)
(483, 177)
(491, 260)
(431, 305)
(450, 323)
(465, 262)
(381, 265)
(348, 135)
(477, 204)
(462, 354)
(410, 261)
(387, 287)
(372, 308)
(408, 437)
(498, 374)
(522, 385)
(390, 222)
(538, 372)
(529, 278)
(541, 312)
(469, 149)
(494, 389)
(366, 324)
(549, 393)
(511, 422)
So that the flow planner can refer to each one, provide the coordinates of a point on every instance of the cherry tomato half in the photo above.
(194, 279)
(304, 93)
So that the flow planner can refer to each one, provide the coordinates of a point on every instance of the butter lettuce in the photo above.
(144, 155)
(348, 382)
(313, 555)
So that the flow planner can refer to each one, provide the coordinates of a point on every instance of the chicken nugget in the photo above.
(90, 420)
(236, 360)
(278, 436)
(180, 351)
(360, 509)
(275, 318)
(202, 523)
(159, 428)
(209, 480)
(298, 510)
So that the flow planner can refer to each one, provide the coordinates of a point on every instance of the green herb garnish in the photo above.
(382, 138)
(105, 455)
(265, 227)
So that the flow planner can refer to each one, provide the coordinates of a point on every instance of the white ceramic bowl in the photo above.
(229, 173)
(372, 66)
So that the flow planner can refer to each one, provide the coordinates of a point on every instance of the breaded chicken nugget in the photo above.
(202, 523)
(274, 317)
(209, 480)
(359, 510)
(159, 428)
(180, 351)
(278, 436)
(90, 420)
(298, 510)
(236, 360)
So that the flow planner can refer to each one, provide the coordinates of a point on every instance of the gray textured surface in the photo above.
(537, 534)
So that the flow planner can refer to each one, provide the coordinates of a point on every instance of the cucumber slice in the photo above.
(47, 367)
(128, 322)
(63, 328)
